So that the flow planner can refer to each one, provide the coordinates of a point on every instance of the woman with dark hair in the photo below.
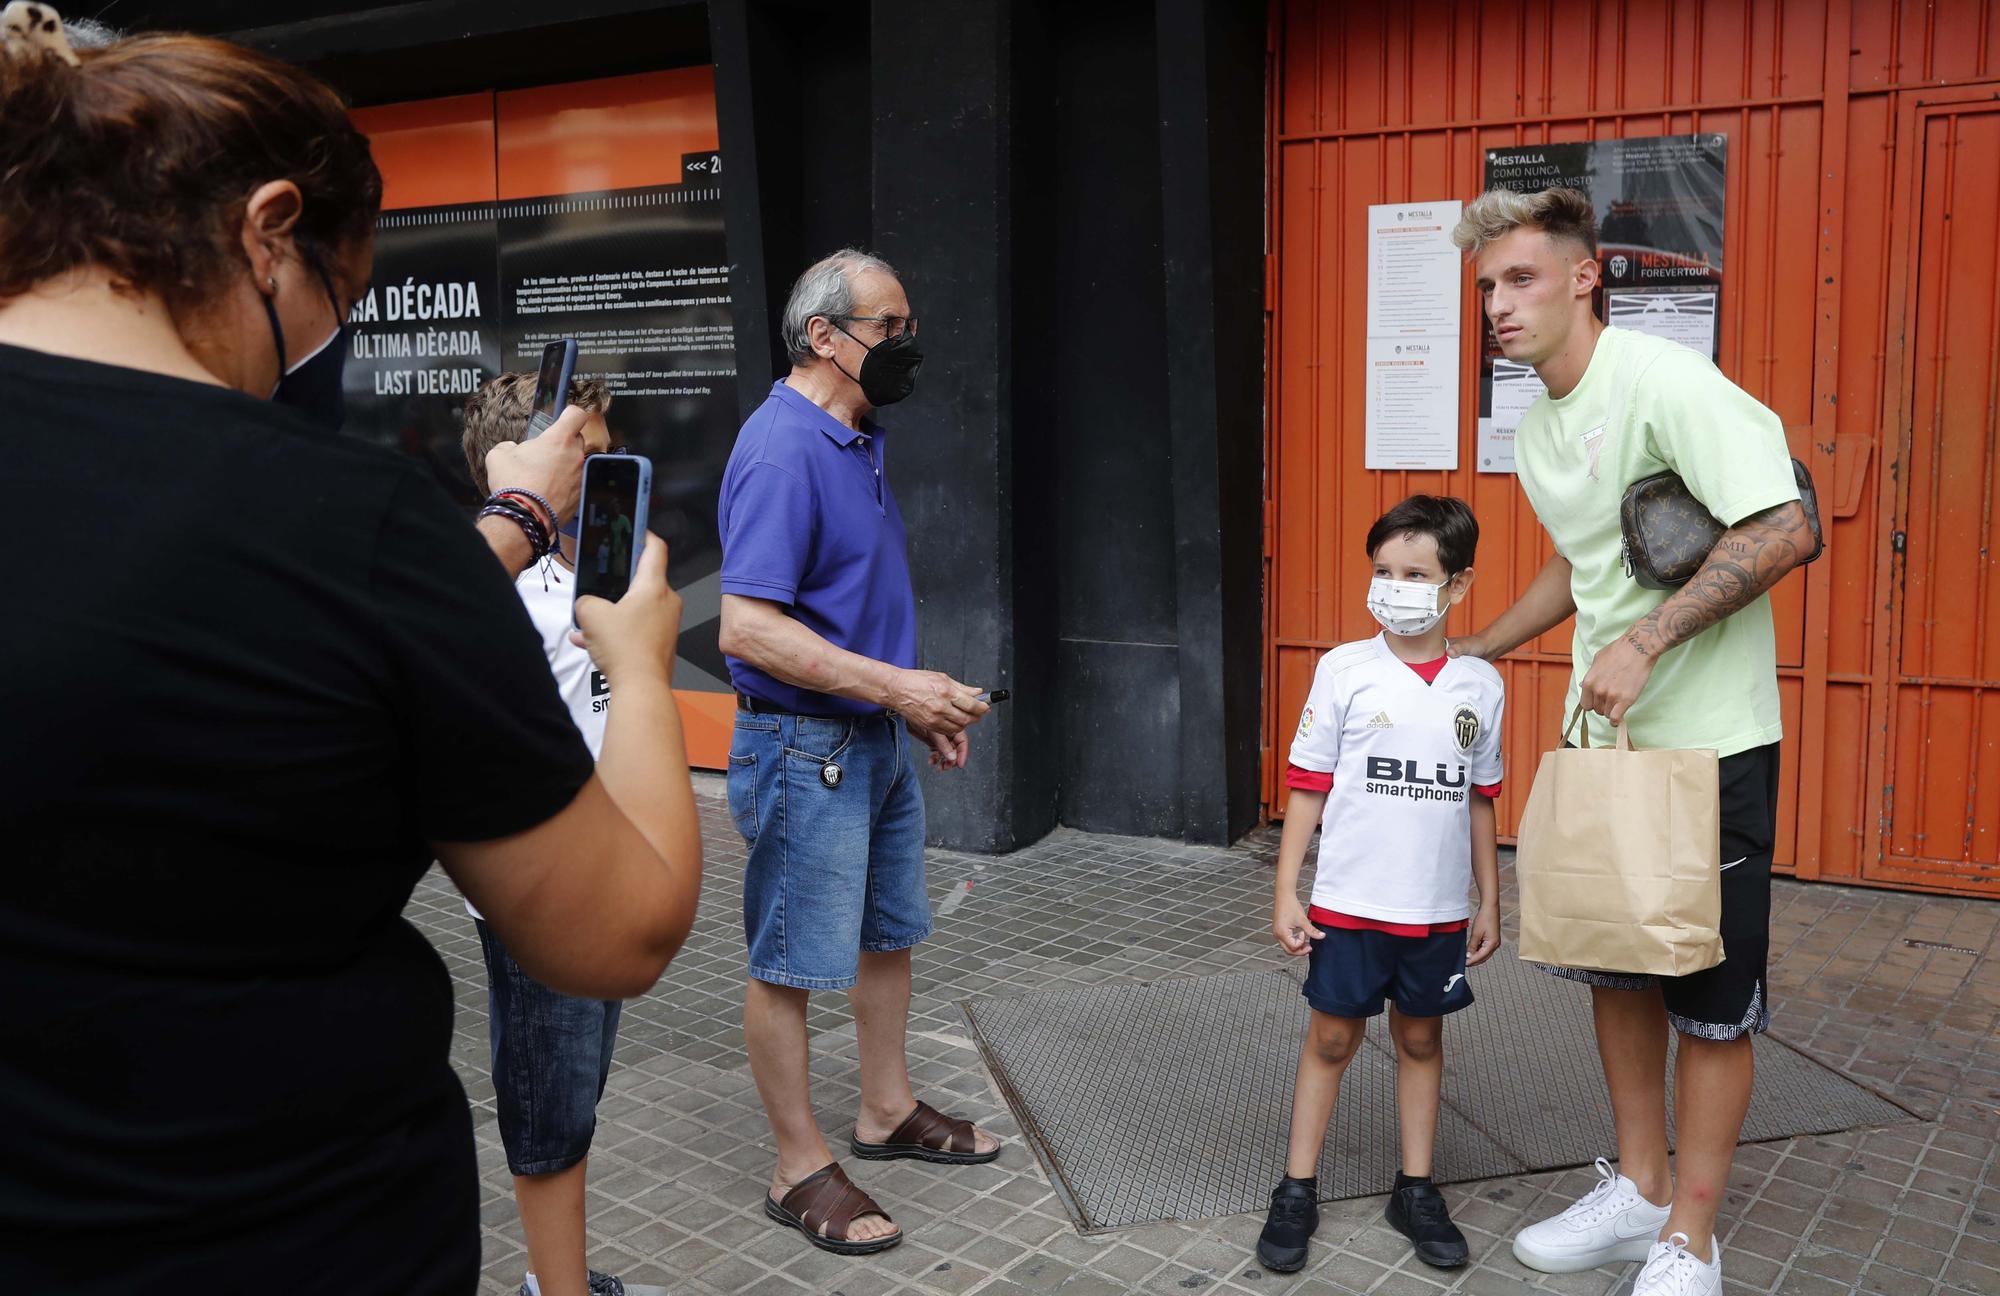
(257, 679)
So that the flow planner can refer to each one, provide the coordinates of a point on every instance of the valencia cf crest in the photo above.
(1465, 727)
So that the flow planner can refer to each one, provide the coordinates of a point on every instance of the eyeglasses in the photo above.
(892, 325)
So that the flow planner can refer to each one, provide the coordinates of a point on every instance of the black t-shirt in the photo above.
(251, 669)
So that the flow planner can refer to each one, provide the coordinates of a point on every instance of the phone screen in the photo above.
(549, 381)
(610, 526)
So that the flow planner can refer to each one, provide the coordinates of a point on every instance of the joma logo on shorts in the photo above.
(1387, 769)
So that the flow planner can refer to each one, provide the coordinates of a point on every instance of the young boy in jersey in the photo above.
(1397, 759)
(551, 1052)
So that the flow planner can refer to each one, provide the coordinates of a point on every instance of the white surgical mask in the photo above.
(1407, 607)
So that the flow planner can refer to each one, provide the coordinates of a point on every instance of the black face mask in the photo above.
(314, 386)
(889, 370)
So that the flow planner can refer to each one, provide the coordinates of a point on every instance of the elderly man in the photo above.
(819, 625)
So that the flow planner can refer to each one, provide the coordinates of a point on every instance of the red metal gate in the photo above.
(1940, 801)
(1849, 311)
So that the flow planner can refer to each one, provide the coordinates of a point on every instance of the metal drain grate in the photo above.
(1171, 1100)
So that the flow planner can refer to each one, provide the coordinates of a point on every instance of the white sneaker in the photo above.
(1610, 1224)
(1673, 1270)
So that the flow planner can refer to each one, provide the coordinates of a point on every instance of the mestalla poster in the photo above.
(1659, 205)
(639, 277)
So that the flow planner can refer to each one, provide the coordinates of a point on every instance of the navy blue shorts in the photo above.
(1352, 973)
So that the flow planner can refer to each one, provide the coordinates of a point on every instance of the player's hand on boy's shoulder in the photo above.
(1482, 937)
(1467, 646)
(1289, 924)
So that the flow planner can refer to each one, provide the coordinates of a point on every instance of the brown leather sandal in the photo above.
(927, 1134)
(827, 1199)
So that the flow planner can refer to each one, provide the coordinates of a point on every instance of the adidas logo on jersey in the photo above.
(1381, 721)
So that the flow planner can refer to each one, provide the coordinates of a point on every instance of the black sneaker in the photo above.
(601, 1284)
(1293, 1220)
(1417, 1211)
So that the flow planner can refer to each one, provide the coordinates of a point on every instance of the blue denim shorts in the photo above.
(551, 1056)
(834, 820)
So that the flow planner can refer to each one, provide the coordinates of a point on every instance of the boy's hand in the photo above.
(1482, 938)
(551, 465)
(1291, 926)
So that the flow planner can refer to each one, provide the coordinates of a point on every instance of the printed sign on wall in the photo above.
(1415, 287)
(1659, 205)
(589, 210)
(426, 335)
(639, 277)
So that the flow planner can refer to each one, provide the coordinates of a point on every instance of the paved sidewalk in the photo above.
(682, 1149)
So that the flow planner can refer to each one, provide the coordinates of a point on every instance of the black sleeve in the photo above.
(488, 744)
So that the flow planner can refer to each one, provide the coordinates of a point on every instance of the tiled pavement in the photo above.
(682, 1148)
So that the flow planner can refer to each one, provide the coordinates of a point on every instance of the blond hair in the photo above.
(1563, 214)
(499, 411)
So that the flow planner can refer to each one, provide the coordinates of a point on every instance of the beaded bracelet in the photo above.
(531, 526)
(519, 517)
(549, 521)
(538, 537)
(544, 531)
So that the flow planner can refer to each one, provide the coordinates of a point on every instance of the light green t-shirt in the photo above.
(1577, 455)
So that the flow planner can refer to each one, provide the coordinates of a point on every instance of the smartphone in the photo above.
(552, 385)
(612, 525)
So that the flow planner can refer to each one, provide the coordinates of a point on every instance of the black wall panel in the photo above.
(1074, 195)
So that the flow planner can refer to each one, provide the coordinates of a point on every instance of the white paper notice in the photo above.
(1686, 317)
(1496, 447)
(1515, 388)
(1415, 278)
(1414, 272)
(1412, 403)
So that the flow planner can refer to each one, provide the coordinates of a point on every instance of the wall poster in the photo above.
(1659, 205)
(1415, 301)
(639, 277)
(593, 210)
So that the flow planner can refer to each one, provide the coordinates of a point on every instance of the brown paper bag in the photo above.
(1619, 860)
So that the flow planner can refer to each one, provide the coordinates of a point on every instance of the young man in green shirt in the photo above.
(1693, 668)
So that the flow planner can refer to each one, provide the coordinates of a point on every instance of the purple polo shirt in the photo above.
(808, 521)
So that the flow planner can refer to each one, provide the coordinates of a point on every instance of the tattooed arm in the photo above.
(1750, 558)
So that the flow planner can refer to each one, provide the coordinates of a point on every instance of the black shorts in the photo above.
(1728, 1000)
(1350, 973)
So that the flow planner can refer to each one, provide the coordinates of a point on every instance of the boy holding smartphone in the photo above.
(551, 1052)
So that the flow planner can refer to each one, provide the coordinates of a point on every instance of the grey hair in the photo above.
(1559, 213)
(825, 290)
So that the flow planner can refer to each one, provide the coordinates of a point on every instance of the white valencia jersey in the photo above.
(1396, 840)
(545, 590)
